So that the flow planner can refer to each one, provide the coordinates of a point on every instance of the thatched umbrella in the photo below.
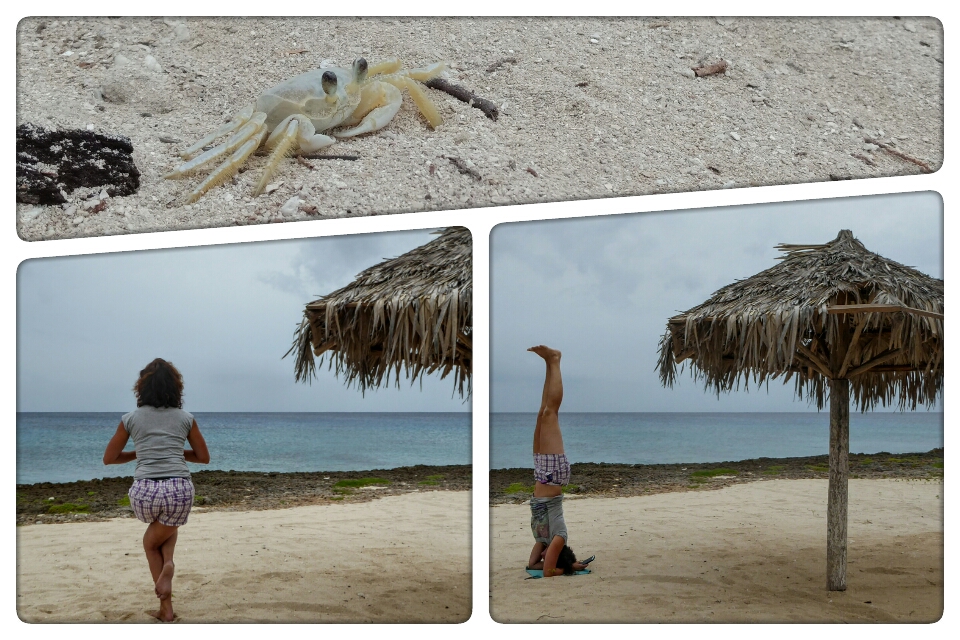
(835, 317)
(412, 313)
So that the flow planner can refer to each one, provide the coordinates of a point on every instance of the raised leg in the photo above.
(547, 436)
(159, 541)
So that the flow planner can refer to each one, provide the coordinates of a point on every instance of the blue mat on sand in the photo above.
(538, 573)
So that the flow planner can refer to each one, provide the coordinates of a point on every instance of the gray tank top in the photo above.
(158, 436)
(546, 519)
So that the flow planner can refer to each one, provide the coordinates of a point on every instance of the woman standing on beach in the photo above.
(162, 492)
(551, 470)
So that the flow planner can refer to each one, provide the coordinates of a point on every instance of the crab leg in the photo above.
(246, 131)
(427, 73)
(387, 66)
(245, 114)
(424, 104)
(230, 167)
(295, 129)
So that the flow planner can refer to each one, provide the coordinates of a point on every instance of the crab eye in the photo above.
(360, 68)
(329, 82)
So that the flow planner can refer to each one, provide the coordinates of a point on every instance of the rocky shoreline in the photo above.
(617, 480)
(102, 499)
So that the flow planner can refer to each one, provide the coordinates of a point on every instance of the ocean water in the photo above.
(63, 447)
(662, 438)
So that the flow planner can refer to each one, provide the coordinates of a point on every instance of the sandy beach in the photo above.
(589, 108)
(753, 552)
(401, 558)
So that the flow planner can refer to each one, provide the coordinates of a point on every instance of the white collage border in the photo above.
(480, 221)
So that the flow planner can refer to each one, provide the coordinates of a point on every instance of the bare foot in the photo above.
(165, 614)
(545, 352)
(164, 586)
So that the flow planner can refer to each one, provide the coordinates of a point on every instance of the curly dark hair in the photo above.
(566, 559)
(159, 385)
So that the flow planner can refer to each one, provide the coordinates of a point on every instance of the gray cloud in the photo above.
(225, 315)
(601, 290)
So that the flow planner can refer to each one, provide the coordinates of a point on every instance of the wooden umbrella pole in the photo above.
(837, 492)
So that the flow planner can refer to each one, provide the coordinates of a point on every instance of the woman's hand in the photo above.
(199, 453)
(115, 453)
(536, 556)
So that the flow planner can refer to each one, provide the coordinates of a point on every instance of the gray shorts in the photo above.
(546, 519)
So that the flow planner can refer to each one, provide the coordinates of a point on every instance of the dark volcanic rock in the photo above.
(105, 498)
(616, 480)
(50, 163)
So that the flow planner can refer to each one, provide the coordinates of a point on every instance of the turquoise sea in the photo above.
(63, 447)
(650, 438)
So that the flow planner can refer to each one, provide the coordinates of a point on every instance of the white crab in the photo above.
(293, 112)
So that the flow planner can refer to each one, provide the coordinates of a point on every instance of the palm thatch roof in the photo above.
(412, 314)
(827, 311)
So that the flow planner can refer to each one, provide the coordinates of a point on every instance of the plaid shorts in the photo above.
(551, 468)
(167, 501)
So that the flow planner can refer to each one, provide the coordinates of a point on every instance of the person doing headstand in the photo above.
(162, 492)
(551, 470)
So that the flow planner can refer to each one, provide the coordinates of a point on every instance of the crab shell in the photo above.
(304, 95)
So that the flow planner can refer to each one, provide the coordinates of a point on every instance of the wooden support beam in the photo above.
(683, 356)
(837, 489)
(892, 368)
(886, 356)
(881, 308)
(815, 360)
(323, 348)
(854, 341)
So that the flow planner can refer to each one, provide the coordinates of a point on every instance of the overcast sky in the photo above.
(223, 315)
(601, 290)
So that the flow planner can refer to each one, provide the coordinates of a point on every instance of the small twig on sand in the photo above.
(317, 156)
(920, 163)
(499, 63)
(304, 163)
(864, 159)
(463, 168)
(465, 95)
(710, 69)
